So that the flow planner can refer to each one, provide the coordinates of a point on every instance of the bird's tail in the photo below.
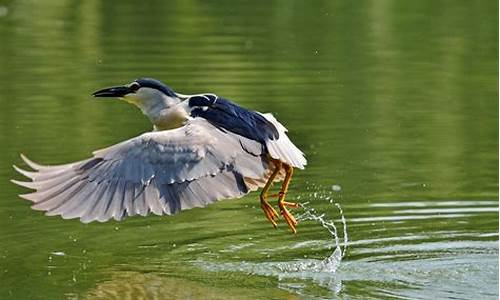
(283, 149)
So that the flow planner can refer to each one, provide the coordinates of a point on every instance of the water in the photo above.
(395, 104)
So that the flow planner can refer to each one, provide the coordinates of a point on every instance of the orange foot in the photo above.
(289, 218)
(270, 212)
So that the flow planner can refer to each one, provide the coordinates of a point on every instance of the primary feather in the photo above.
(160, 172)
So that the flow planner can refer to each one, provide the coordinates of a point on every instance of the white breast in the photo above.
(173, 117)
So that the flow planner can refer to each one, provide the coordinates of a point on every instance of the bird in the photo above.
(202, 148)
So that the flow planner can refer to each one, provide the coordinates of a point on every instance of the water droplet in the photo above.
(336, 188)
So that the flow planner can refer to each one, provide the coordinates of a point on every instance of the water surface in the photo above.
(395, 104)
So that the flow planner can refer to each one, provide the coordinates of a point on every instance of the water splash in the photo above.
(332, 262)
(320, 271)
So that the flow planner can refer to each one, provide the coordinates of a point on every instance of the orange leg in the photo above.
(282, 204)
(269, 211)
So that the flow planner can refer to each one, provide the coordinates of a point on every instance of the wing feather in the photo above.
(91, 203)
(158, 172)
(73, 208)
(58, 198)
(116, 203)
(154, 203)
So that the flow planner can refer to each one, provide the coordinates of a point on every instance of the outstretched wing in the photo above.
(160, 172)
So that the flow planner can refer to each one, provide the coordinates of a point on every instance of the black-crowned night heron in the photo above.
(203, 148)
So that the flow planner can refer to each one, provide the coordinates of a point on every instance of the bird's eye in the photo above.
(134, 86)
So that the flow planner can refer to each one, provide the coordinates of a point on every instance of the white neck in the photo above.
(151, 101)
(163, 111)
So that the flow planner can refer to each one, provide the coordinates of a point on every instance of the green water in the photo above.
(395, 102)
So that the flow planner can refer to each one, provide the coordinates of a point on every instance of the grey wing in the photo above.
(158, 172)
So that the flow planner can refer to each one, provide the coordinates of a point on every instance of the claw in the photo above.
(270, 213)
(289, 218)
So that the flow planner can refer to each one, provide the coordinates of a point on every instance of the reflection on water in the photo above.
(395, 104)
(134, 285)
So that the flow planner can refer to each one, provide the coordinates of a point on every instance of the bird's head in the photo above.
(142, 92)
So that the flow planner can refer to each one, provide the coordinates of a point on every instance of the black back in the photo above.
(231, 117)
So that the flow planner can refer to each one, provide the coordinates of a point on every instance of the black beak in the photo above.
(115, 91)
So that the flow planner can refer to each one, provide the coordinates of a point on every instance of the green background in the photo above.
(394, 101)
